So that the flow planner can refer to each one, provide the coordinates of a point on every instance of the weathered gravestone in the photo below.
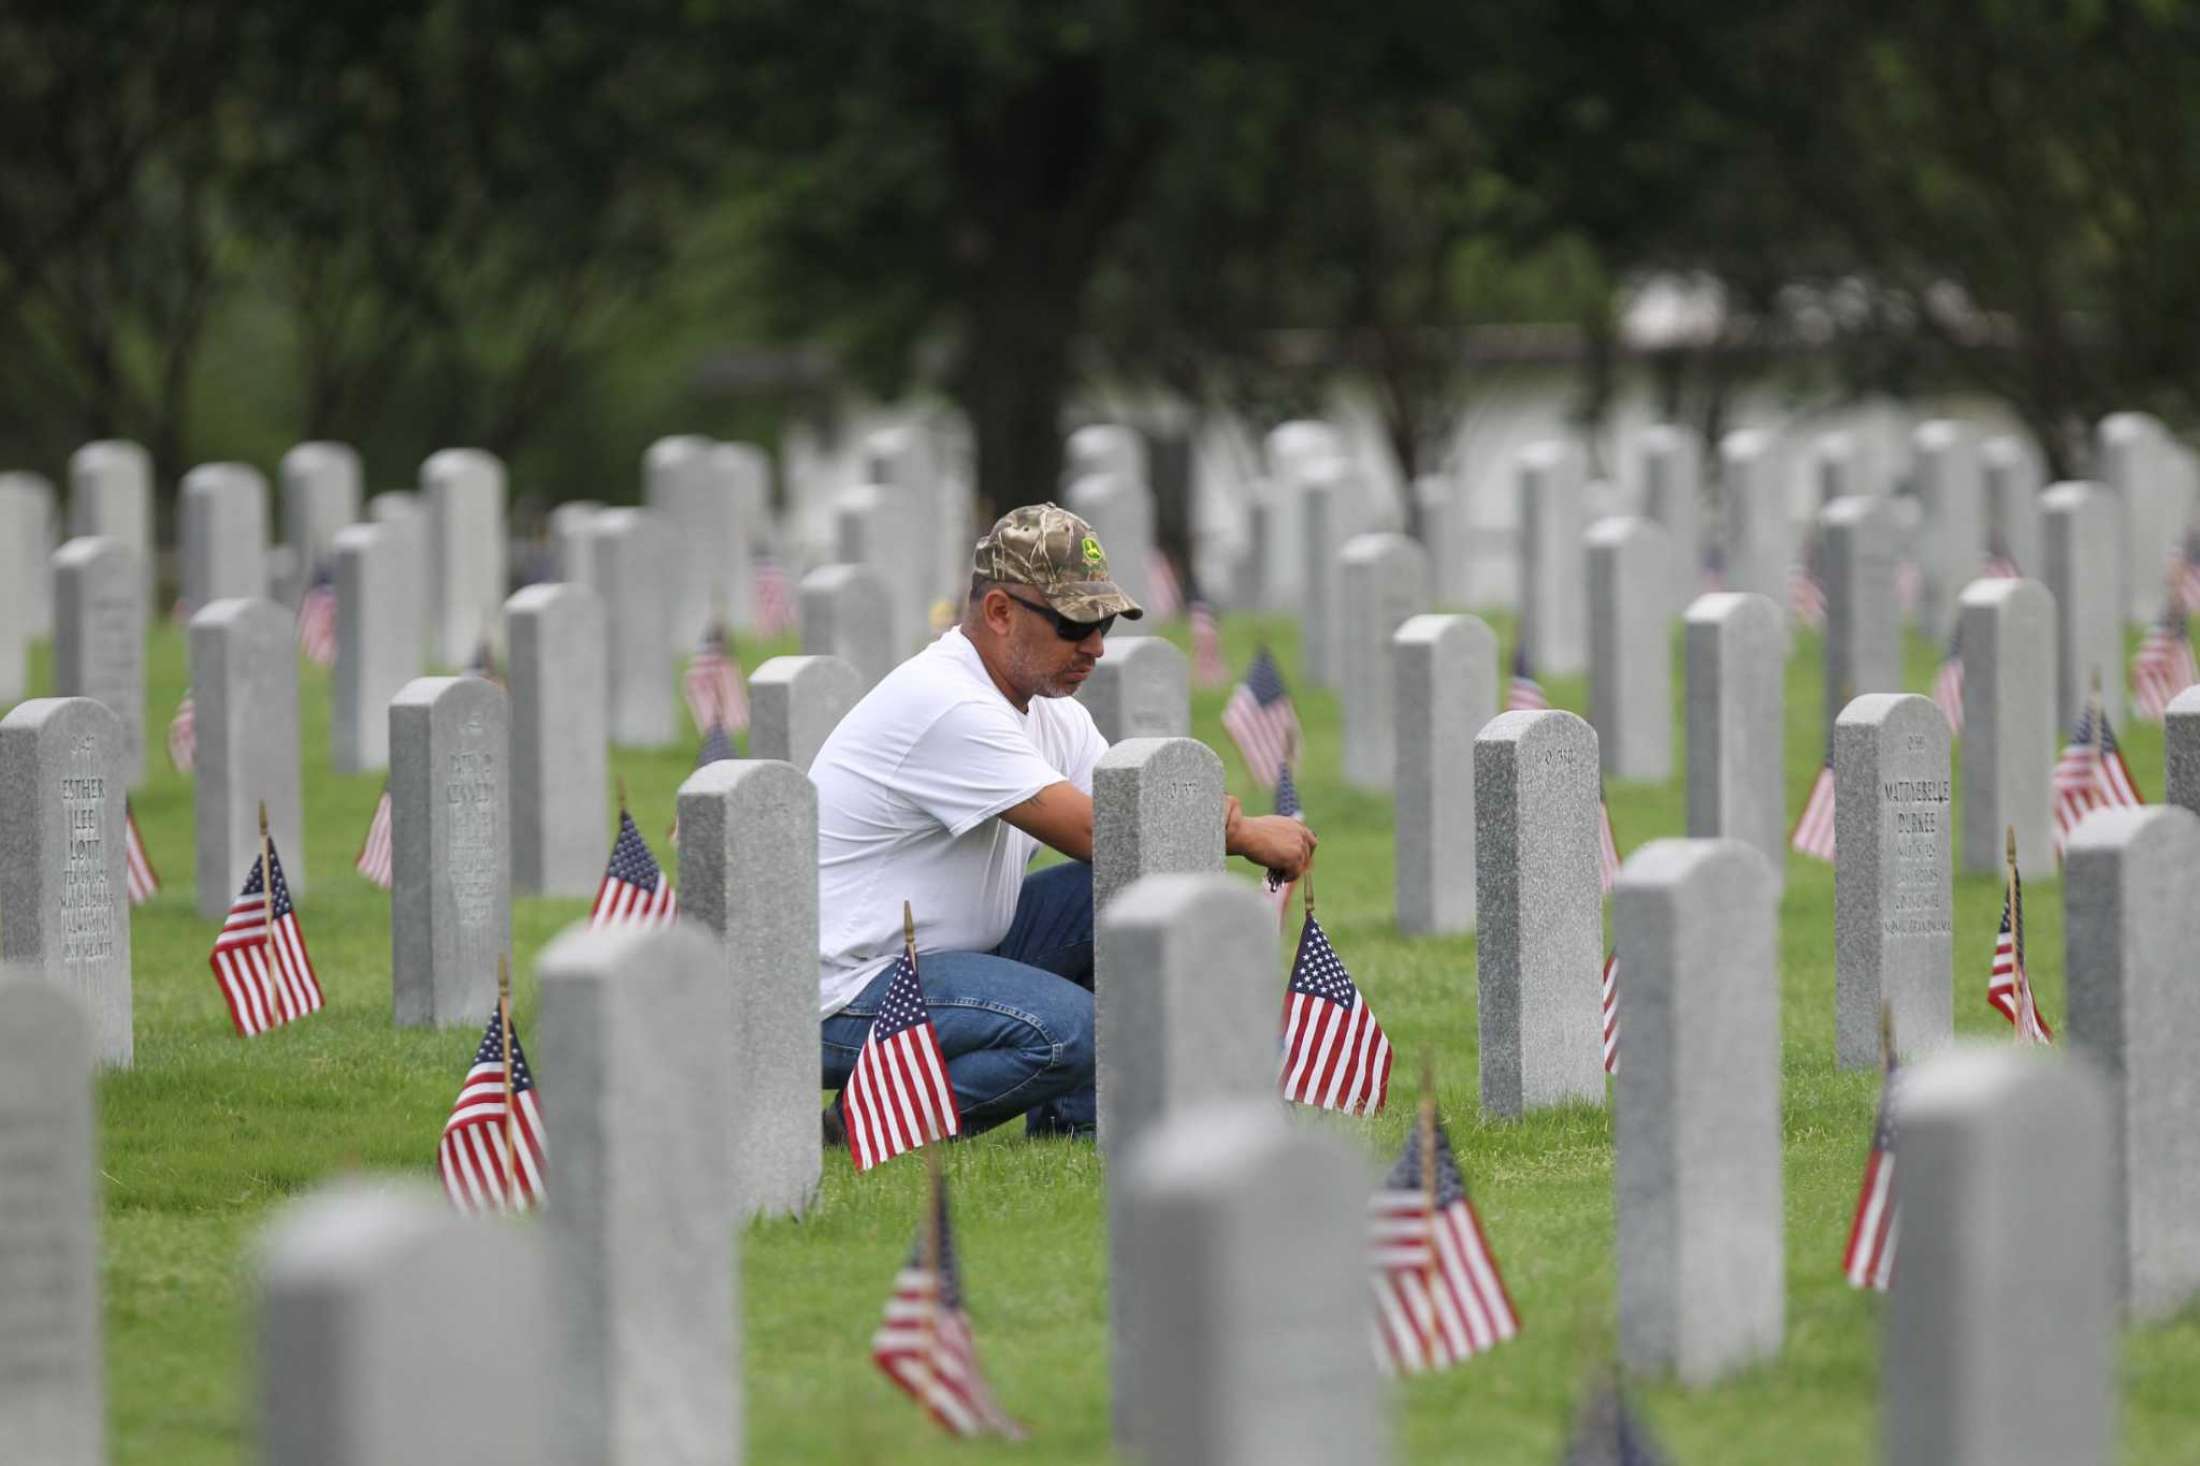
(1696, 1128)
(748, 871)
(1227, 1367)
(1999, 1334)
(1446, 690)
(224, 534)
(53, 1389)
(2181, 750)
(1951, 488)
(2131, 929)
(64, 869)
(1120, 510)
(1756, 517)
(573, 541)
(464, 493)
(373, 1301)
(641, 1207)
(244, 688)
(2013, 481)
(632, 550)
(1631, 647)
(451, 849)
(99, 628)
(2007, 641)
(848, 612)
(1141, 688)
(378, 642)
(560, 743)
(22, 564)
(1863, 617)
(796, 702)
(1553, 599)
(321, 486)
(1382, 580)
(1672, 495)
(2079, 555)
(111, 497)
(1893, 897)
(1737, 723)
(1539, 908)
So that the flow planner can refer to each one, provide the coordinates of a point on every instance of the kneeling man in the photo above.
(940, 786)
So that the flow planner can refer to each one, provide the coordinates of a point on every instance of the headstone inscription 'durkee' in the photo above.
(244, 687)
(795, 703)
(1554, 602)
(463, 489)
(1140, 688)
(848, 612)
(52, 1368)
(748, 872)
(561, 752)
(379, 635)
(1893, 897)
(1446, 690)
(1539, 908)
(99, 636)
(1737, 723)
(451, 849)
(1631, 647)
(632, 547)
(2079, 555)
(1696, 1126)
(64, 872)
(1382, 580)
(2007, 640)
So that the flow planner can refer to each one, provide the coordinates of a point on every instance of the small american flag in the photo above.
(475, 1156)
(1814, 831)
(1868, 1260)
(260, 958)
(2162, 667)
(1607, 1432)
(1607, 846)
(1525, 694)
(635, 891)
(1277, 888)
(898, 1098)
(317, 619)
(183, 737)
(2000, 564)
(1439, 1298)
(2091, 774)
(712, 685)
(924, 1344)
(1164, 592)
(776, 613)
(1948, 684)
(374, 853)
(2008, 985)
(1806, 593)
(1335, 1055)
(1611, 1012)
(144, 880)
(1207, 665)
(1262, 721)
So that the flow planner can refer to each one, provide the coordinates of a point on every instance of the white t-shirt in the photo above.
(907, 789)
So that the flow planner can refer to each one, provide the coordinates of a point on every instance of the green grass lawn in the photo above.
(209, 1133)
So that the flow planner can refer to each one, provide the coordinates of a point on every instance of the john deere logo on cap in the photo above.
(1093, 553)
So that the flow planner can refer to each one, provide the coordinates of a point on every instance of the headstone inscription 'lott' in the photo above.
(641, 1218)
(2181, 750)
(1697, 1123)
(1539, 905)
(1950, 484)
(1382, 580)
(99, 630)
(2079, 554)
(2131, 929)
(1672, 494)
(1999, 1334)
(64, 872)
(224, 534)
(1141, 688)
(2007, 637)
(2012, 478)
(464, 493)
(748, 871)
(1319, 512)
(1120, 510)
(1446, 690)
(451, 850)
(321, 488)
(1863, 617)
(573, 541)
(52, 1368)
(111, 497)
(373, 1299)
(848, 612)
(561, 755)
(1737, 723)
(1228, 1368)
(796, 702)
(22, 557)
(1893, 895)
(378, 642)
(1631, 647)
(1553, 601)
(244, 688)
(1756, 514)
(631, 550)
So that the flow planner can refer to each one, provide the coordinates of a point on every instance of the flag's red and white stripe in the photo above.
(713, 689)
(1607, 847)
(1439, 1297)
(776, 614)
(317, 623)
(927, 1350)
(1335, 1055)
(1948, 692)
(474, 1157)
(2162, 667)
(1814, 831)
(144, 880)
(2009, 989)
(265, 972)
(1806, 597)
(1611, 1012)
(374, 852)
(1868, 1260)
(183, 738)
(898, 1096)
(1208, 669)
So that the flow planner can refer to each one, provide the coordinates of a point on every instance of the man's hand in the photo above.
(1274, 842)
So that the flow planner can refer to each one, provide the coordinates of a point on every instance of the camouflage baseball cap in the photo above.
(1056, 553)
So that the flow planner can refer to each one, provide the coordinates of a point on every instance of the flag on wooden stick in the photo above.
(260, 957)
(1335, 1055)
(1868, 1260)
(634, 890)
(374, 852)
(924, 1343)
(897, 1097)
(712, 685)
(144, 880)
(1260, 719)
(1814, 830)
(493, 1120)
(1611, 1012)
(2091, 773)
(2008, 986)
(1607, 843)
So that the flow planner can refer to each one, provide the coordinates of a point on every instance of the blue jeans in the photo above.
(1015, 1023)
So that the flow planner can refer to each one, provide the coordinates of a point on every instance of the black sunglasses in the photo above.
(1065, 628)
